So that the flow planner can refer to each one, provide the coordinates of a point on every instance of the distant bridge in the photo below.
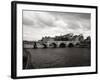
(58, 44)
(53, 44)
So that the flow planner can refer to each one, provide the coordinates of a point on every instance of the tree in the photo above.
(88, 39)
(81, 38)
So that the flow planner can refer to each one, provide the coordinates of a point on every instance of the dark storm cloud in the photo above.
(85, 16)
(27, 21)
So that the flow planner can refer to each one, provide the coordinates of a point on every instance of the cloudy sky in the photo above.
(37, 24)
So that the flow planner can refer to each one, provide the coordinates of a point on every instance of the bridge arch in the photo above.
(70, 45)
(45, 46)
(53, 45)
(77, 45)
(62, 45)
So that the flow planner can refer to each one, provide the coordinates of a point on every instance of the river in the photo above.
(57, 57)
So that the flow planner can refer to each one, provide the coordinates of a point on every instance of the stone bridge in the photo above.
(61, 43)
(52, 44)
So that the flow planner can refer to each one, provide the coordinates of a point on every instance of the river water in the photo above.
(58, 57)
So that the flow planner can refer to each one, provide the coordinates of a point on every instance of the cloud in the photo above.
(45, 18)
(38, 24)
(73, 25)
(27, 21)
(84, 16)
(60, 23)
